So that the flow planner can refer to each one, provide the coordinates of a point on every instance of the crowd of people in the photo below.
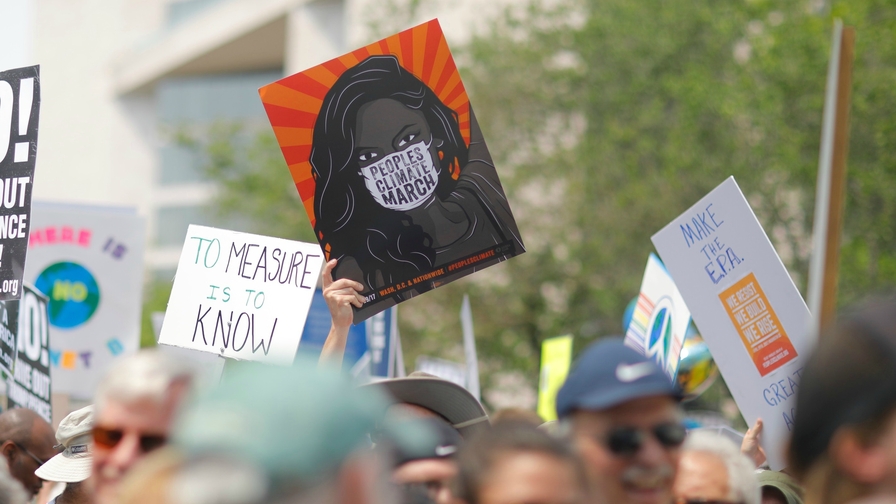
(308, 434)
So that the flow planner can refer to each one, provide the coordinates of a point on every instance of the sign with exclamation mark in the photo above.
(26, 100)
(28, 382)
(19, 114)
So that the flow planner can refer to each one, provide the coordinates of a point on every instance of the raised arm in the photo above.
(340, 296)
(752, 444)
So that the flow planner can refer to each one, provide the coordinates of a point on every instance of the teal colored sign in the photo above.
(73, 292)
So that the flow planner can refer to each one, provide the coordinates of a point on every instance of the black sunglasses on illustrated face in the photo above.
(627, 441)
(109, 438)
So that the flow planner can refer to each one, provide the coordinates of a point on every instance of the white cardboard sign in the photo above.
(88, 260)
(241, 295)
(745, 304)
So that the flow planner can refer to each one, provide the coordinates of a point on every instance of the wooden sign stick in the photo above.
(829, 199)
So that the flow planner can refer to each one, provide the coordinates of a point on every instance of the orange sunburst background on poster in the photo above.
(292, 103)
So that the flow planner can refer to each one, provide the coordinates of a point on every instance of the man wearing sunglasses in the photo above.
(134, 408)
(26, 441)
(623, 417)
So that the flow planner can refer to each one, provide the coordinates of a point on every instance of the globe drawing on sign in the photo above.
(659, 337)
(73, 292)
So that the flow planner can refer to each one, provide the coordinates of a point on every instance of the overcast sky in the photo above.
(16, 20)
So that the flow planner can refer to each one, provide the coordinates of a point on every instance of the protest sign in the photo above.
(8, 343)
(19, 113)
(660, 319)
(241, 295)
(444, 369)
(745, 304)
(391, 167)
(399, 354)
(466, 323)
(29, 386)
(556, 356)
(382, 341)
(88, 260)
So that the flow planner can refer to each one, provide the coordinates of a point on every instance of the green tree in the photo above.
(637, 109)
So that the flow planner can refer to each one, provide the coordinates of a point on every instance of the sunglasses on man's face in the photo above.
(34, 457)
(109, 438)
(627, 441)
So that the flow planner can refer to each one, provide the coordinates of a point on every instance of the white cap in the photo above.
(74, 463)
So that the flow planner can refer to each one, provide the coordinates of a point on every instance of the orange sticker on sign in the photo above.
(758, 325)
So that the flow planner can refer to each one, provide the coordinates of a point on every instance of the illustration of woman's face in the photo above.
(386, 126)
(393, 149)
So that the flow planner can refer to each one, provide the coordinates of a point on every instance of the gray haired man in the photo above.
(713, 469)
(134, 409)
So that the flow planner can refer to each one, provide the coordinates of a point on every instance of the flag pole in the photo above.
(829, 196)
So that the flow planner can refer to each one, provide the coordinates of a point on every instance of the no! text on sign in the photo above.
(241, 295)
(19, 114)
(745, 304)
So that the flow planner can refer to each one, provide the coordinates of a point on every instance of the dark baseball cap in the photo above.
(607, 374)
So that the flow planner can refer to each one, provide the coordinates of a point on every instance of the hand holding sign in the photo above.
(752, 444)
(392, 168)
(341, 295)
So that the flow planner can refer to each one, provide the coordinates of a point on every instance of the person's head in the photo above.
(73, 466)
(421, 395)
(134, 407)
(516, 463)
(424, 471)
(779, 488)
(623, 415)
(713, 470)
(272, 434)
(843, 443)
(373, 114)
(26, 442)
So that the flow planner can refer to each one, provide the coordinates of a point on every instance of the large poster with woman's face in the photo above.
(392, 168)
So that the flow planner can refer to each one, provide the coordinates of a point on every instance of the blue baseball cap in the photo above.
(609, 373)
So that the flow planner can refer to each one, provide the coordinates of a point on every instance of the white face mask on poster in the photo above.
(403, 180)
